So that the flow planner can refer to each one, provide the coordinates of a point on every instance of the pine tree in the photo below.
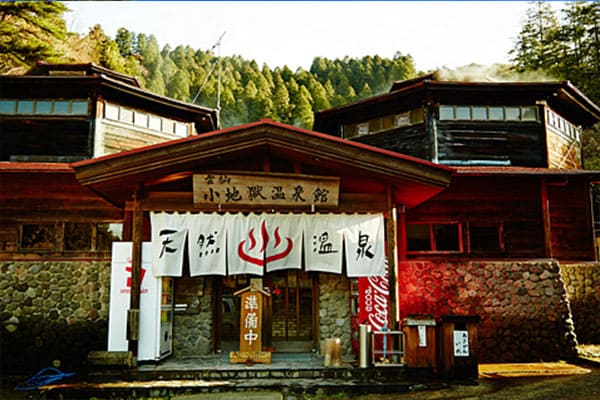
(29, 31)
(534, 44)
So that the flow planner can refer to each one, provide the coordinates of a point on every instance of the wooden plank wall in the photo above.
(412, 141)
(116, 138)
(563, 152)
(570, 219)
(44, 140)
(483, 200)
(518, 143)
(46, 198)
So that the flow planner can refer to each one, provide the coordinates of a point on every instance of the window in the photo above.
(154, 123)
(72, 237)
(181, 129)
(384, 123)
(512, 113)
(529, 113)
(106, 234)
(37, 237)
(402, 119)
(446, 112)
(496, 113)
(126, 115)
(111, 112)
(43, 107)
(78, 237)
(79, 107)
(25, 107)
(61, 107)
(417, 116)
(463, 112)
(8, 106)
(488, 113)
(91, 237)
(434, 237)
(479, 113)
(486, 239)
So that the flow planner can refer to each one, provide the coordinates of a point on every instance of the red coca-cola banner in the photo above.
(374, 302)
(374, 306)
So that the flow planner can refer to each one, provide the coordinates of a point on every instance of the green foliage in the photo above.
(245, 91)
(565, 48)
(29, 31)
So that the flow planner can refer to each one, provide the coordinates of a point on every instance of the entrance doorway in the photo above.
(289, 323)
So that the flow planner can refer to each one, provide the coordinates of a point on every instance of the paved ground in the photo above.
(497, 382)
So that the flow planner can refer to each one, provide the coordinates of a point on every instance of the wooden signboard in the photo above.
(267, 189)
(251, 328)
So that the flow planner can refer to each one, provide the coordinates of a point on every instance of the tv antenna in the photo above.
(212, 68)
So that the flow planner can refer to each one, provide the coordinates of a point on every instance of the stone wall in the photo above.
(52, 311)
(583, 289)
(192, 333)
(524, 310)
(334, 310)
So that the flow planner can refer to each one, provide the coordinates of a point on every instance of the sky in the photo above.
(436, 34)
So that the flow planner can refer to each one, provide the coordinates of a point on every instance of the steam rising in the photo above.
(493, 73)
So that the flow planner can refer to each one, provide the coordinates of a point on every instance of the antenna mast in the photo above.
(212, 68)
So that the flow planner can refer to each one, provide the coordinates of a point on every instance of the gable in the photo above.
(263, 146)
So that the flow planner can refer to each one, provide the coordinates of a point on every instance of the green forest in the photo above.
(551, 45)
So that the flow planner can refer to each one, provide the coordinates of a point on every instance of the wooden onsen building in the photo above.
(270, 170)
(437, 198)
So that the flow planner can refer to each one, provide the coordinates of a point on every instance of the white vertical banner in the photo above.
(246, 242)
(207, 244)
(364, 239)
(120, 293)
(323, 241)
(283, 242)
(168, 241)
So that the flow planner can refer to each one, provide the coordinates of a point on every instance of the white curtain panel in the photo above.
(168, 240)
(245, 244)
(207, 244)
(365, 245)
(323, 241)
(284, 244)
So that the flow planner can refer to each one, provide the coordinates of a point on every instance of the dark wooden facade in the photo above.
(34, 129)
(508, 124)
(527, 214)
(47, 195)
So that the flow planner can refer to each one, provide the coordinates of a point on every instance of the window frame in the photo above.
(450, 112)
(432, 238)
(59, 242)
(499, 226)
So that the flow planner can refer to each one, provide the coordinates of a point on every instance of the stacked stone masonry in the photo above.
(52, 311)
(59, 310)
(582, 282)
(334, 310)
(524, 310)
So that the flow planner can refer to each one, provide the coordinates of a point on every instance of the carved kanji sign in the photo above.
(222, 188)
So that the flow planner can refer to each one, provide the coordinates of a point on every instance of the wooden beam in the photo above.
(392, 256)
(546, 219)
(136, 268)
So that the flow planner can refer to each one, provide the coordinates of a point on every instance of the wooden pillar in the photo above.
(133, 313)
(392, 256)
(546, 219)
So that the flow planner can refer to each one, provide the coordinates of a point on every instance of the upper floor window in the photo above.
(434, 237)
(43, 107)
(146, 120)
(382, 124)
(558, 123)
(69, 237)
(488, 113)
